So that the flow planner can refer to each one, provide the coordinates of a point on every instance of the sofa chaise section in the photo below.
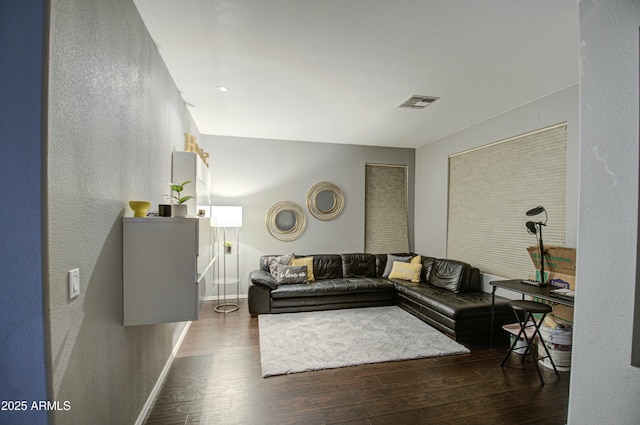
(465, 316)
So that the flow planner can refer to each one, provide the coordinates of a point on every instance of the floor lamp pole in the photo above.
(226, 307)
(224, 267)
(541, 253)
(238, 266)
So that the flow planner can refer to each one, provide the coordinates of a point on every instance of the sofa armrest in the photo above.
(259, 299)
(263, 278)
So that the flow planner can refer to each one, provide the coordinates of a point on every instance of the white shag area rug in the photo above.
(299, 342)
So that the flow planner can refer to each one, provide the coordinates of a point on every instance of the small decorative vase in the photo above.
(139, 208)
(164, 210)
(179, 210)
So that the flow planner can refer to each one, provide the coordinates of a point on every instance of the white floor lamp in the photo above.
(228, 217)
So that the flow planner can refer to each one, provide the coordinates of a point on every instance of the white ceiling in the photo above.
(336, 70)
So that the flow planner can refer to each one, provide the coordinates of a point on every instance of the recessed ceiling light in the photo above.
(223, 89)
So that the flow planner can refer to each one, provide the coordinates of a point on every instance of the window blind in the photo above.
(490, 190)
(386, 228)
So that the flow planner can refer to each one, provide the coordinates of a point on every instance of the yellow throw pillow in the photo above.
(416, 260)
(305, 261)
(406, 271)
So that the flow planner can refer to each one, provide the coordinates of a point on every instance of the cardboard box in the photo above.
(562, 312)
(556, 259)
(560, 271)
(559, 265)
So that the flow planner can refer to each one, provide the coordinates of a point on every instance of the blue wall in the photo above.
(22, 343)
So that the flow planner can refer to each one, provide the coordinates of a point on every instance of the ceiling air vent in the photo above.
(418, 102)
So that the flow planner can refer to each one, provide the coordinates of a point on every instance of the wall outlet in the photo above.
(74, 283)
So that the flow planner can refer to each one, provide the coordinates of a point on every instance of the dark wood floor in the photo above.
(216, 379)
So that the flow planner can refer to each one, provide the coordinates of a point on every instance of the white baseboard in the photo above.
(486, 286)
(163, 375)
(229, 297)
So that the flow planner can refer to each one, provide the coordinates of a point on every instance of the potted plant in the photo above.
(227, 247)
(179, 209)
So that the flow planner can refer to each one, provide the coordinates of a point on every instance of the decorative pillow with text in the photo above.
(291, 274)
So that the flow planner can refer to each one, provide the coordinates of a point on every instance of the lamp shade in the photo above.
(535, 211)
(227, 216)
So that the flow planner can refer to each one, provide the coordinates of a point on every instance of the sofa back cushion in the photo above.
(264, 262)
(427, 266)
(358, 265)
(327, 266)
(451, 275)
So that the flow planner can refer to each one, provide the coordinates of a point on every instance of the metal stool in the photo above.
(527, 309)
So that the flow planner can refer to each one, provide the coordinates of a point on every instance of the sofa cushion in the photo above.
(287, 275)
(449, 274)
(391, 258)
(358, 265)
(305, 261)
(406, 271)
(333, 287)
(264, 262)
(427, 266)
(271, 262)
(381, 261)
(327, 266)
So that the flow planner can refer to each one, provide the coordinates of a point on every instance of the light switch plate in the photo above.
(74, 283)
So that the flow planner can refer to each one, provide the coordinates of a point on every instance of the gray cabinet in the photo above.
(166, 268)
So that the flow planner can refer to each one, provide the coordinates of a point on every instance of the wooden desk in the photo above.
(543, 293)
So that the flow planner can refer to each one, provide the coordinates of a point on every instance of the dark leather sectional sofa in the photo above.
(449, 295)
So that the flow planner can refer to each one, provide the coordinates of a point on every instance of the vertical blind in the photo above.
(490, 190)
(386, 228)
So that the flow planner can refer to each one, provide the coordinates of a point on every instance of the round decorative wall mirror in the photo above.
(325, 201)
(286, 221)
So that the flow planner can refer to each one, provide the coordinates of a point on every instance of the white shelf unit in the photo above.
(189, 166)
(167, 265)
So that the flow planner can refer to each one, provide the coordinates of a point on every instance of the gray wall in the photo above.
(604, 386)
(432, 164)
(257, 173)
(114, 117)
